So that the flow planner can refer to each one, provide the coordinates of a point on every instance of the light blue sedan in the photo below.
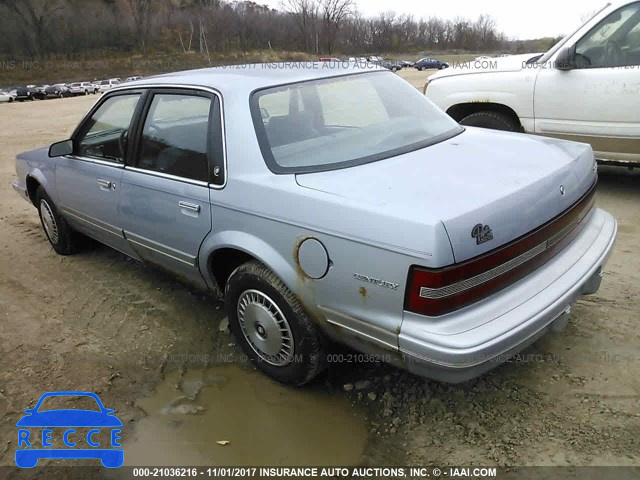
(332, 201)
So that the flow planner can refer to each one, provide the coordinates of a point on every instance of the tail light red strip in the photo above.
(436, 292)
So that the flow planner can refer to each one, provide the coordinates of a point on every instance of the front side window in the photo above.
(104, 136)
(175, 137)
(614, 42)
(339, 122)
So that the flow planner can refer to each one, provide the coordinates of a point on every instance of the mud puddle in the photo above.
(230, 416)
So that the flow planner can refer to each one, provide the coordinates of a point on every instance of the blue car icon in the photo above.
(97, 420)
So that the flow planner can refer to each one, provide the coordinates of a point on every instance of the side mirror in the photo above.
(60, 149)
(566, 59)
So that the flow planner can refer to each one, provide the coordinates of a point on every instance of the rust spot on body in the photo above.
(363, 292)
(296, 258)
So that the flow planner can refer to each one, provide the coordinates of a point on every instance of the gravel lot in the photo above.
(99, 322)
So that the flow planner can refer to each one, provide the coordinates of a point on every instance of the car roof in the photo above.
(255, 76)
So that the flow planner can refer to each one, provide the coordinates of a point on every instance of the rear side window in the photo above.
(175, 136)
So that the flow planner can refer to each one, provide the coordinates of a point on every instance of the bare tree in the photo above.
(306, 14)
(334, 12)
(142, 12)
(35, 16)
(54, 28)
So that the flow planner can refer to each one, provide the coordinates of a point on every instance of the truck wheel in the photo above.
(492, 120)
(61, 237)
(272, 326)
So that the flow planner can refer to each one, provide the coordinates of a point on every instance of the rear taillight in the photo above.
(435, 292)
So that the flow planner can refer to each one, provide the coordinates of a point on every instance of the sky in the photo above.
(519, 20)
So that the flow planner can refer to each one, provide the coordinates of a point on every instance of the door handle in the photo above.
(189, 206)
(104, 183)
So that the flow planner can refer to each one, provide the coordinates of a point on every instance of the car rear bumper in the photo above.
(462, 345)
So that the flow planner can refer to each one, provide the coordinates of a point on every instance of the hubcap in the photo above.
(265, 328)
(49, 222)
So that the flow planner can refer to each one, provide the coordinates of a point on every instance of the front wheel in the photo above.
(272, 326)
(61, 237)
(492, 120)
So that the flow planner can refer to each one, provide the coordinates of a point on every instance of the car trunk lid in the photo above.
(487, 188)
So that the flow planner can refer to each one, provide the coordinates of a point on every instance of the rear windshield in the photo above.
(343, 121)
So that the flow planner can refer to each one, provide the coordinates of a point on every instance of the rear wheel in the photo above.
(492, 120)
(61, 237)
(272, 326)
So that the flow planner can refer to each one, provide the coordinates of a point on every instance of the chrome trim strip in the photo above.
(161, 249)
(437, 293)
(167, 176)
(361, 328)
(93, 222)
(459, 287)
(95, 160)
(197, 88)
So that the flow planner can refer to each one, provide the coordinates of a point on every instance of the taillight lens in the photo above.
(435, 292)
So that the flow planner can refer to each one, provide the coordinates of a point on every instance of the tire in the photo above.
(272, 326)
(61, 237)
(492, 120)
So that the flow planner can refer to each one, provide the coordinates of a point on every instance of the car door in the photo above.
(165, 191)
(597, 101)
(88, 182)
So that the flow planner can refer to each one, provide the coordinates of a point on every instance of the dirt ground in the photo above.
(99, 322)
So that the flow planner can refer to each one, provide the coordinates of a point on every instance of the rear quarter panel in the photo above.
(342, 302)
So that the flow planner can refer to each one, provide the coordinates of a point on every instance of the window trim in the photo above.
(133, 164)
(81, 128)
(275, 167)
(216, 121)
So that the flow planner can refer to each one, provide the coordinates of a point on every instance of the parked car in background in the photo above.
(330, 59)
(134, 78)
(82, 88)
(359, 60)
(429, 63)
(274, 198)
(28, 93)
(393, 66)
(106, 85)
(41, 91)
(5, 97)
(586, 88)
(406, 64)
(58, 90)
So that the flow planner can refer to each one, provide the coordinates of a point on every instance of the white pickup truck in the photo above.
(586, 88)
